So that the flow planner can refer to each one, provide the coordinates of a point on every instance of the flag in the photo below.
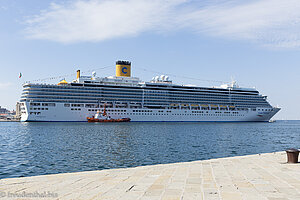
(20, 75)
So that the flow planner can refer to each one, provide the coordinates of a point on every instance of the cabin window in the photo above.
(35, 104)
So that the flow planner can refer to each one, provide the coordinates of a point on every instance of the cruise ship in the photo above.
(124, 96)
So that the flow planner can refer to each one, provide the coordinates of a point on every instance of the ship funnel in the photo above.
(123, 68)
(78, 74)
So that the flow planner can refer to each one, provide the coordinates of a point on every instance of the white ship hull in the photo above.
(59, 113)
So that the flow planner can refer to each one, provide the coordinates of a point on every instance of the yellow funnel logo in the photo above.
(123, 70)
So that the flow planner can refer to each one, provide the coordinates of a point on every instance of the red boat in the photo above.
(92, 119)
(103, 117)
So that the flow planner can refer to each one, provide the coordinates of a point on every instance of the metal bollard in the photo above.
(292, 155)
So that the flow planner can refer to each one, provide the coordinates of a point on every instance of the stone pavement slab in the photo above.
(261, 176)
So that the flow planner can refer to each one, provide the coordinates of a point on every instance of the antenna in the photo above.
(233, 82)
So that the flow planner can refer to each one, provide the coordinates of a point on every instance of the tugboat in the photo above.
(103, 117)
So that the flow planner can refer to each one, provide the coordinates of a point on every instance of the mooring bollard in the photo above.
(292, 155)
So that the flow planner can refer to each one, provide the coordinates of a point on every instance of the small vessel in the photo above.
(103, 117)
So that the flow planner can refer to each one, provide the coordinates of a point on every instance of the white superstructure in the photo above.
(157, 100)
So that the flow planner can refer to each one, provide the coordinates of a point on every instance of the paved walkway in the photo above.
(265, 176)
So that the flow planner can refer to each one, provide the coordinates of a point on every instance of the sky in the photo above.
(204, 43)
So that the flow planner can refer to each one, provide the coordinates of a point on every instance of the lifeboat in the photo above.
(184, 105)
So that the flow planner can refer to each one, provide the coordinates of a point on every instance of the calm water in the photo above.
(28, 149)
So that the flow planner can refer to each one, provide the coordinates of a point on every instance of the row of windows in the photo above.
(149, 87)
(150, 111)
(35, 113)
(35, 104)
(168, 100)
(266, 109)
(120, 92)
(161, 102)
(75, 108)
(143, 110)
(77, 105)
(159, 96)
(167, 105)
(139, 92)
(185, 114)
(197, 111)
(234, 114)
(38, 108)
(43, 104)
(194, 96)
(138, 88)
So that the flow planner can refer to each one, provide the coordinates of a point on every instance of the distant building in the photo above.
(3, 110)
(18, 110)
(6, 115)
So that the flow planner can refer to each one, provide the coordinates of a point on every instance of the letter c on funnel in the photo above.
(124, 70)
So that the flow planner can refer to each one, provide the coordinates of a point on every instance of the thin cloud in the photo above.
(273, 23)
(268, 22)
(100, 20)
(5, 86)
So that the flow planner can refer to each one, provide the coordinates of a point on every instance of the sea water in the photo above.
(37, 148)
